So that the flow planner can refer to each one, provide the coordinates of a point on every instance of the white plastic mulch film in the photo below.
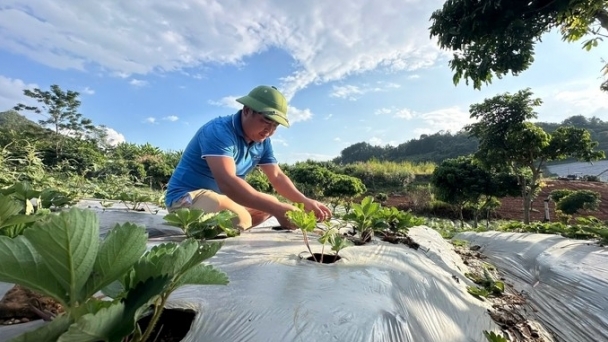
(376, 292)
(565, 280)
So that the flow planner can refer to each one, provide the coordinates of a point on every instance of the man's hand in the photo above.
(322, 212)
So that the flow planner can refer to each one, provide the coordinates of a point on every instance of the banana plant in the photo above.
(63, 257)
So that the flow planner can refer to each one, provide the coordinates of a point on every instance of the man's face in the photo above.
(256, 126)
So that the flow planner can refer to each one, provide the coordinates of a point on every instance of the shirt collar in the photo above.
(237, 124)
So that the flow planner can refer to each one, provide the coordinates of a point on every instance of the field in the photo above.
(512, 207)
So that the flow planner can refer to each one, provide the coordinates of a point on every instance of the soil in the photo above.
(327, 258)
(172, 326)
(20, 305)
(509, 310)
(511, 208)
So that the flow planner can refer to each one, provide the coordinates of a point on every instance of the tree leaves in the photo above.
(493, 38)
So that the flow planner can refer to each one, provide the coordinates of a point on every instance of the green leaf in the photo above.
(49, 332)
(68, 244)
(95, 327)
(121, 248)
(114, 290)
(137, 301)
(8, 208)
(19, 220)
(203, 275)
(21, 264)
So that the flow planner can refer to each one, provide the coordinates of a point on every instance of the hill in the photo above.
(442, 145)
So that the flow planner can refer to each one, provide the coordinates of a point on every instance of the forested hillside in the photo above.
(443, 145)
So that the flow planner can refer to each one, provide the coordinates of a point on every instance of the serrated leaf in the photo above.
(138, 299)
(91, 306)
(95, 327)
(49, 332)
(68, 244)
(203, 275)
(114, 290)
(21, 264)
(202, 252)
(120, 250)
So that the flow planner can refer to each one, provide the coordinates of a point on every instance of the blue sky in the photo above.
(154, 71)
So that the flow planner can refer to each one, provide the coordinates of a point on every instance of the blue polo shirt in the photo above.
(222, 136)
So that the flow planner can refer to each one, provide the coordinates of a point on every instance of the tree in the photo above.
(495, 37)
(464, 182)
(508, 142)
(61, 109)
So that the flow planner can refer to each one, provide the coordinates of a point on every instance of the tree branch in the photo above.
(602, 17)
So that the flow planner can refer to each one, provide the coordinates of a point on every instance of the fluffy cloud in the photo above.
(328, 40)
(351, 92)
(171, 118)
(11, 93)
(114, 138)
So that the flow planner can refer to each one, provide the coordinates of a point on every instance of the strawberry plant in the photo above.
(63, 257)
(306, 221)
(197, 224)
(494, 337)
(367, 217)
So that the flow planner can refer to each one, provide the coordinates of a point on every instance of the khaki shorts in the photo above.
(210, 201)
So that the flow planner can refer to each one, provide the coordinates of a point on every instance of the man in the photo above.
(211, 173)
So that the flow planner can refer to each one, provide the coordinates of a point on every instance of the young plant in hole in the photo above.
(367, 217)
(306, 221)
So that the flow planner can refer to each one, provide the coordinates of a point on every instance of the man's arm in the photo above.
(224, 172)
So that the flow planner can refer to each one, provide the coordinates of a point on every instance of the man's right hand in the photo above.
(282, 218)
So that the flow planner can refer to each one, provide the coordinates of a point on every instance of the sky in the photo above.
(154, 71)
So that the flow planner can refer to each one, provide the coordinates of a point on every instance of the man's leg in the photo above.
(212, 202)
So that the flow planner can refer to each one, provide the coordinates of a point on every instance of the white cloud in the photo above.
(113, 137)
(337, 139)
(296, 115)
(328, 117)
(383, 111)
(227, 101)
(404, 113)
(88, 91)
(279, 141)
(138, 83)
(447, 119)
(574, 98)
(413, 77)
(11, 93)
(327, 40)
(375, 141)
(171, 118)
(346, 92)
(350, 92)
(150, 120)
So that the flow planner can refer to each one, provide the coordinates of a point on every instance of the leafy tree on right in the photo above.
(495, 37)
(509, 142)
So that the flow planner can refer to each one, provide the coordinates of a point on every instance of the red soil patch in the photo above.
(512, 207)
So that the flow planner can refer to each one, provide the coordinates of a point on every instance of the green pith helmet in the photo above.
(267, 101)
